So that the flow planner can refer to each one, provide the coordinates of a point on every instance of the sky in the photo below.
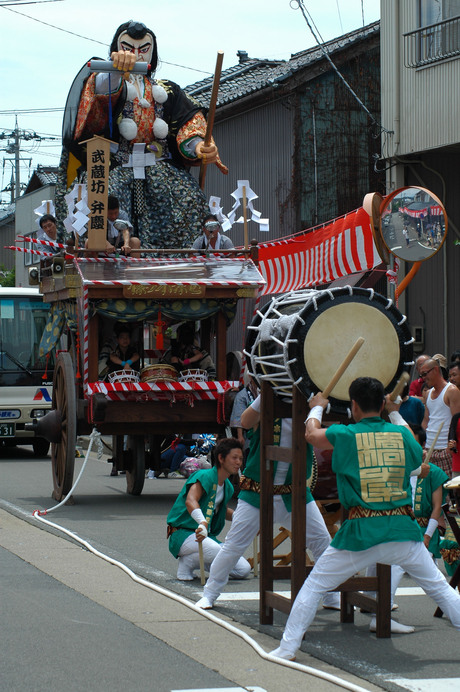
(46, 43)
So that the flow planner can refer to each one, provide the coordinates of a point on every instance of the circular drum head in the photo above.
(328, 328)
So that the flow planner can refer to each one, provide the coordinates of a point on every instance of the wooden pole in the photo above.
(211, 112)
(245, 219)
(200, 553)
(343, 366)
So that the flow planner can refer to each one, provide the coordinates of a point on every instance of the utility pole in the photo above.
(13, 146)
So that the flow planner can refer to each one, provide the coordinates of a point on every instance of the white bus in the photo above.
(25, 378)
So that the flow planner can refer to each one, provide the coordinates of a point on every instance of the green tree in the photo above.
(7, 278)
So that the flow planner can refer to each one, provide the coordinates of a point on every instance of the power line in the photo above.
(5, 3)
(23, 111)
(93, 40)
(309, 21)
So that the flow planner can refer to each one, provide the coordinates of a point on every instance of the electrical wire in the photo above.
(39, 516)
(93, 40)
(317, 36)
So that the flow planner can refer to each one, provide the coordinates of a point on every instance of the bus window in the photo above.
(25, 376)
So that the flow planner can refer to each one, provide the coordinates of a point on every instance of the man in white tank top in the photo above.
(442, 402)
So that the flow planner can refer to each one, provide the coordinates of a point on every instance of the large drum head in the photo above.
(326, 330)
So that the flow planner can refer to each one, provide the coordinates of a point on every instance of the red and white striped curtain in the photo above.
(318, 256)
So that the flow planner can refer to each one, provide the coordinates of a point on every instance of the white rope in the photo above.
(95, 435)
(209, 616)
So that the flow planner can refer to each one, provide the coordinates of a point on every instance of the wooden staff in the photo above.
(343, 366)
(399, 386)
(431, 450)
(245, 219)
(200, 553)
(255, 549)
(211, 112)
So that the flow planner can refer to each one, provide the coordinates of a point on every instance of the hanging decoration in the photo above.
(244, 190)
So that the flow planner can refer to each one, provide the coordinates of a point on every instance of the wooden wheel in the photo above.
(64, 401)
(135, 466)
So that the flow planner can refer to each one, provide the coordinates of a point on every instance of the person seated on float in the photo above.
(124, 356)
(212, 238)
(186, 354)
(48, 229)
(119, 230)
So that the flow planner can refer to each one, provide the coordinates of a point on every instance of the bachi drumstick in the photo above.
(399, 386)
(343, 366)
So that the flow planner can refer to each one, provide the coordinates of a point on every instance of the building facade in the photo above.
(420, 62)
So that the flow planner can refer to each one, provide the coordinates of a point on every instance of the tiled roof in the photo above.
(47, 176)
(42, 175)
(255, 74)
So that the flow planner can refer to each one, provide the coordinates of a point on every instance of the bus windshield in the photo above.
(22, 321)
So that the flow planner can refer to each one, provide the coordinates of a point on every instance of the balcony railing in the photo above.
(433, 43)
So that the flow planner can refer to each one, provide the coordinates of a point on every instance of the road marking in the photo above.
(254, 595)
(428, 684)
(223, 689)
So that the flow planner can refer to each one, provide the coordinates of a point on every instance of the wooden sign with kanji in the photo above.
(98, 162)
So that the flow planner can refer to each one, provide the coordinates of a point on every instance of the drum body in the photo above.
(161, 372)
(266, 335)
(312, 341)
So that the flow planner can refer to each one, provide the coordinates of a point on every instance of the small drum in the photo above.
(193, 375)
(161, 372)
(123, 376)
(303, 339)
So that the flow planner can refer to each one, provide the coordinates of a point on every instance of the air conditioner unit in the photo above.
(418, 333)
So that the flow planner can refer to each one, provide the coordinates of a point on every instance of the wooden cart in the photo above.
(81, 291)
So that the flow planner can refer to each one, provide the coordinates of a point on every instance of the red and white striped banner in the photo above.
(119, 391)
(318, 256)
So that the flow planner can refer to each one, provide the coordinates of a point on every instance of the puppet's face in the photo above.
(141, 47)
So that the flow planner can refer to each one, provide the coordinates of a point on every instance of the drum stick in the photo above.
(343, 366)
(256, 556)
(399, 386)
(431, 450)
(200, 553)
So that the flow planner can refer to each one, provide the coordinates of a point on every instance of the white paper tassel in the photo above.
(144, 103)
(159, 94)
(160, 128)
(128, 129)
(131, 92)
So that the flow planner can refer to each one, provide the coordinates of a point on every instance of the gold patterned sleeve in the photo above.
(195, 127)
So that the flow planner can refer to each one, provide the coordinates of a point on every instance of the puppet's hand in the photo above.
(124, 61)
(208, 154)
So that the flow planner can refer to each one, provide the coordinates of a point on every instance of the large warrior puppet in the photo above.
(157, 122)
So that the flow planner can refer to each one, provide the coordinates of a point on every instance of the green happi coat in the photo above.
(423, 501)
(373, 460)
(252, 468)
(180, 518)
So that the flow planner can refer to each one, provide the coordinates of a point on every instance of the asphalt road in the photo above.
(132, 531)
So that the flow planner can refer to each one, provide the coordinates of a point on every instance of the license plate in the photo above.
(7, 429)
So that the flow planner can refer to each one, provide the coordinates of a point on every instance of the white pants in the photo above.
(397, 574)
(243, 530)
(336, 566)
(189, 555)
